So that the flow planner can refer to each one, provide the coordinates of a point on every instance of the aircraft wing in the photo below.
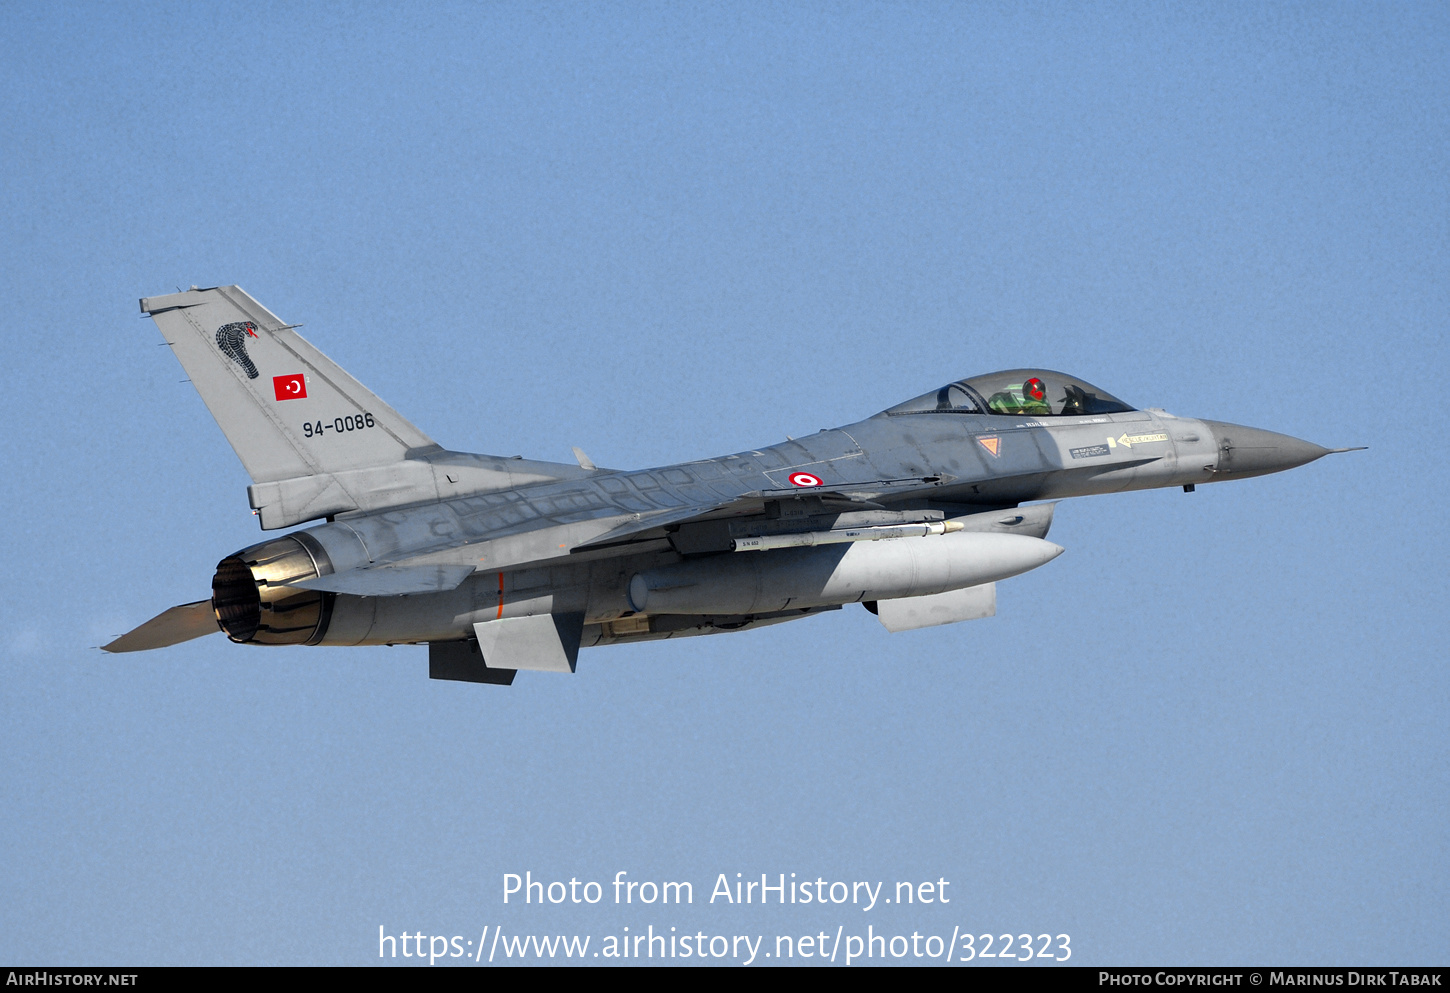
(839, 499)
(508, 530)
(635, 529)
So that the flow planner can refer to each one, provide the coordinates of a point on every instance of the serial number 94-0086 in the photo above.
(350, 422)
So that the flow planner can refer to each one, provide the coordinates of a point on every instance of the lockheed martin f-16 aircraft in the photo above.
(499, 564)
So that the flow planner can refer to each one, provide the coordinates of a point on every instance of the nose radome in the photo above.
(1244, 451)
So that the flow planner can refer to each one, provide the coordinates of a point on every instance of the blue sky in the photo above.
(1211, 732)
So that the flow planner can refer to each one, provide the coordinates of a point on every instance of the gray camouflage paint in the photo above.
(407, 519)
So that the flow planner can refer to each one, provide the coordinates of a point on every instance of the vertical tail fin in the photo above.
(287, 410)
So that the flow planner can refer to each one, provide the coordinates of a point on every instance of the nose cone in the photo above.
(1244, 452)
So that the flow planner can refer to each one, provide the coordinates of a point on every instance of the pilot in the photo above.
(1027, 398)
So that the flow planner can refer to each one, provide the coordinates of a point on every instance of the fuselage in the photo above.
(501, 564)
(523, 543)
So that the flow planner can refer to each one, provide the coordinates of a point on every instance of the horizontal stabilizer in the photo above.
(391, 580)
(171, 627)
(912, 612)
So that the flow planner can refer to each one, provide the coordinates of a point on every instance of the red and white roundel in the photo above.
(804, 479)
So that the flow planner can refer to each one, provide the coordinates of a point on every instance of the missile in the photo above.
(838, 536)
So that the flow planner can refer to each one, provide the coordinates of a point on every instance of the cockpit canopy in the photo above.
(1032, 392)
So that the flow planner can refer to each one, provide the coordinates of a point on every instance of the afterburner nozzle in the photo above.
(254, 603)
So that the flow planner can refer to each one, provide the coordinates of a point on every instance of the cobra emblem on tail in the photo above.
(232, 340)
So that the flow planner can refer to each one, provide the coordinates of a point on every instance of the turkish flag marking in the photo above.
(290, 387)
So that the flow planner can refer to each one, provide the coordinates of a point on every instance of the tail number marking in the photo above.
(351, 422)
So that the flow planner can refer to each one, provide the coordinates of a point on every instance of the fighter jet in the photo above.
(499, 564)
